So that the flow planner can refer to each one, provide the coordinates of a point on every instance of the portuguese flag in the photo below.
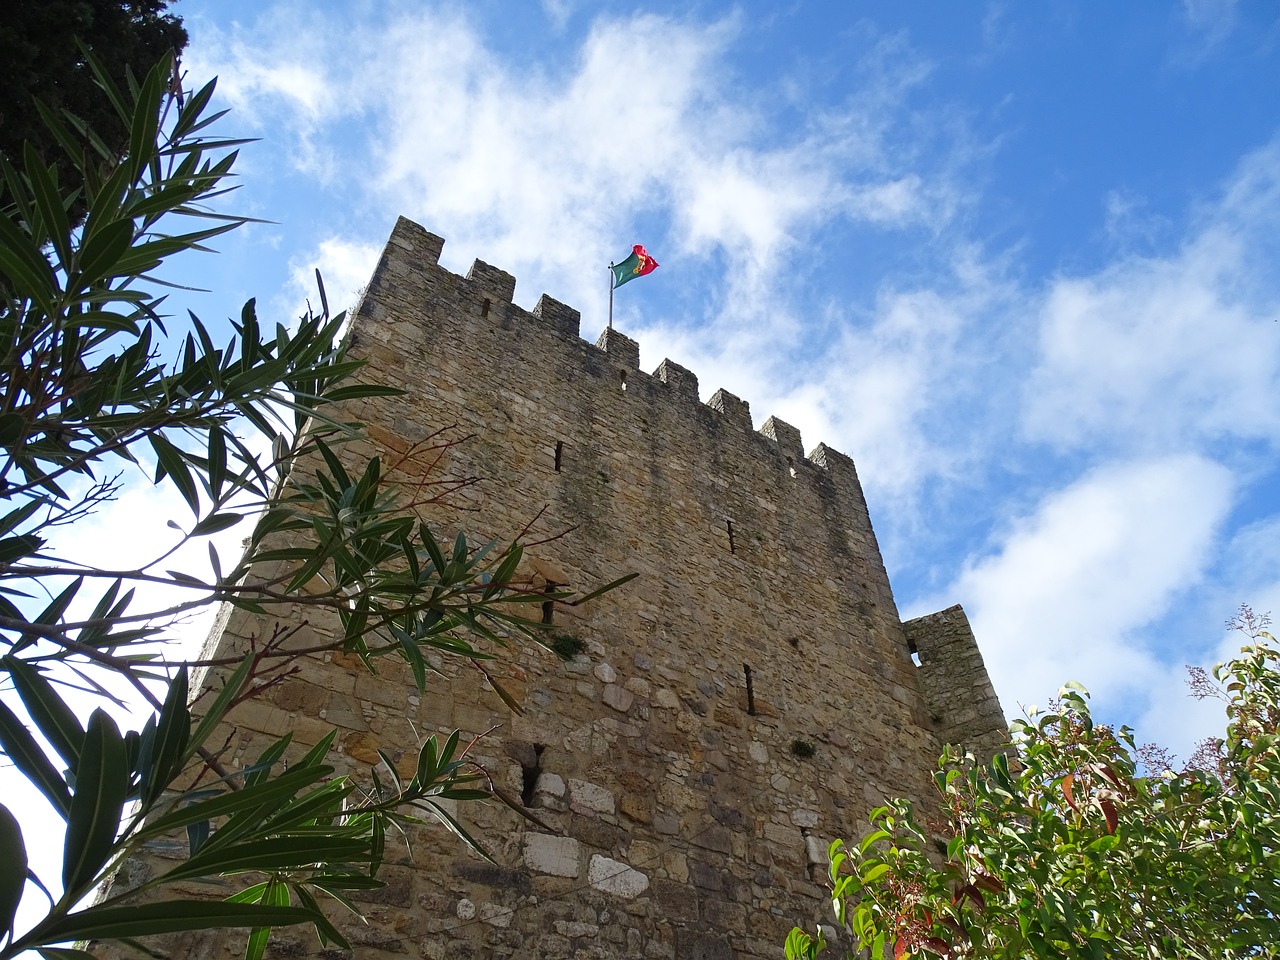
(638, 264)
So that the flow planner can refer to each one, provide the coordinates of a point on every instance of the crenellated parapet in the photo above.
(412, 260)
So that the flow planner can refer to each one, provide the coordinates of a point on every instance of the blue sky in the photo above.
(1016, 259)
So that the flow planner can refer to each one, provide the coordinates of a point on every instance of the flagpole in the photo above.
(610, 294)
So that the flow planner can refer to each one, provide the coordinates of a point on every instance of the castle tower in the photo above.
(743, 701)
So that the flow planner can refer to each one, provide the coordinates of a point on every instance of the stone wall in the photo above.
(953, 678)
(680, 815)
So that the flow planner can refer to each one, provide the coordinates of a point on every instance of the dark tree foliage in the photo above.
(41, 59)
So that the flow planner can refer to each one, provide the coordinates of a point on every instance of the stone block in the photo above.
(582, 793)
(362, 747)
(616, 878)
(699, 946)
(804, 818)
(724, 916)
(549, 785)
(704, 876)
(619, 698)
(493, 875)
(636, 805)
(683, 381)
(677, 901)
(714, 838)
(786, 436)
(558, 856)
(735, 409)
(574, 929)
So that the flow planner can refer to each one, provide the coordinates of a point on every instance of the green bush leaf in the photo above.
(52, 717)
(13, 877)
(102, 783)
(173, 916)
(20, 747)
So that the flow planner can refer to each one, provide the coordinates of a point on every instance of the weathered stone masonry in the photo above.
(667, 759)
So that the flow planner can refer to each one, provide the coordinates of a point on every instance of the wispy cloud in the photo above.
(1170, 350)
(1212, 19)
(1068, 590)
(345, 267)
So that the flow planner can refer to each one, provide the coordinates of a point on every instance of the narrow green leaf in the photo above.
(360, 391)
(221, 704)
(173, 727)
(267, 795)
(217, 454)
(101, 250)
(21, 748)
(52, 717)
(172, 916)
(501, 579)
(13, 549)
(170, 463)
(197, 835)
(455, 827)
(613, 585)
(335, 466)
(274, 894)
(49, 202)
(58, 606)
(413, 656)
(102, 784)
(13, 854)
(512, 704)
(268, 855)
(250, 338)
(327, 931)
(22, 261)
(145, 121)
(432, 547)
(64, 953)
(18, 515)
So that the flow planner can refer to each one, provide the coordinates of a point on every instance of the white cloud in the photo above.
(1174, 350)
(1214, 19)
(1069, 589)
(345, 266)
(559, 11)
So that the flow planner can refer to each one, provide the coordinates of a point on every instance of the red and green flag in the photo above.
(639, 264)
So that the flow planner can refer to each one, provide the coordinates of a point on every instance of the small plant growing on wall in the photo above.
(803, 749)
(566, 646)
